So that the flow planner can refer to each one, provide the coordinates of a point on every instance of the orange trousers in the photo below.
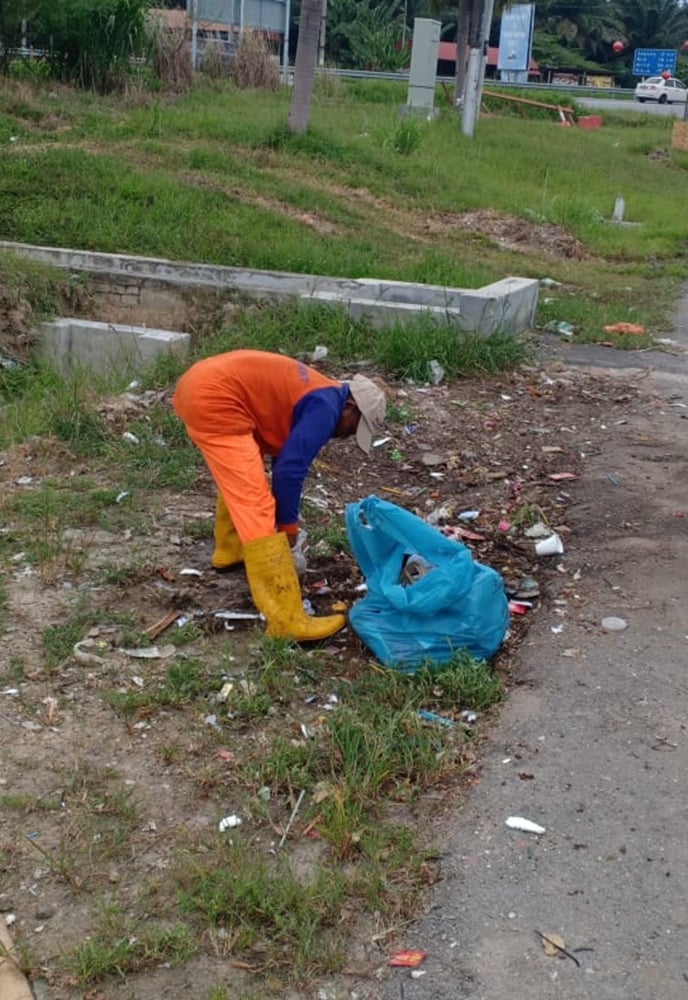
(237, 465)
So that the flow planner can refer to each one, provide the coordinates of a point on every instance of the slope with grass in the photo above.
(215, 177)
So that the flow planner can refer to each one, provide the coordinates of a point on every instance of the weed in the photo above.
(73, 419)
(161, 456)
(273, 679)
(101, 816)
(16, 668)
(59, 639)
(253, 65)
(29, 803)
(407, 136)
(464, 682)
(121, 945)
(289, 764)
(184, 681)
(199, 529)
(406, 351)
(122, 575)
(3, 602)
(393, 870)
(172, 753)
(261, 904)
(398, 413)
(328, 537)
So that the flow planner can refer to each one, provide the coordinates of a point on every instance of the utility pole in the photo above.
(475, 71)
(323, 29)
(194, 34)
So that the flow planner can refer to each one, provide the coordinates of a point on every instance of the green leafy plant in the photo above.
(407, 136)
(91, 42)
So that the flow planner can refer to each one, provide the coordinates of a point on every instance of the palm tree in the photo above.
(651, 24)
(305, 65)
(586, 26)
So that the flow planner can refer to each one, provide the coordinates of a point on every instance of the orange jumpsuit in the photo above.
(243, 405)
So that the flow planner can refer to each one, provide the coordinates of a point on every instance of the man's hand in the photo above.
(299, 548)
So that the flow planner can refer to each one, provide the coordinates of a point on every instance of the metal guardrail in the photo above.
(402, 76)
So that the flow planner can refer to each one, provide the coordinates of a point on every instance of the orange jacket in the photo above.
(290, 409)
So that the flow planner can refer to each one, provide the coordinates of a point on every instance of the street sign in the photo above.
(515, 40)
(654, 62)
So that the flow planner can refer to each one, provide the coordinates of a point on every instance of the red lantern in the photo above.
(666, 75)
(618, 46)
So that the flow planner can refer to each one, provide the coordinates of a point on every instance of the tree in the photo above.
(92, 42)
(305, 65)
(369, 34)
(11, 14)
(651, 24)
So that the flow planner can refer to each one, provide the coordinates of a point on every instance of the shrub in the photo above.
(170, 55)
(254, 66)
(92, 42)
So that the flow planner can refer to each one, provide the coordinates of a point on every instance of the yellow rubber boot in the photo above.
(277, 594)
(228, 548)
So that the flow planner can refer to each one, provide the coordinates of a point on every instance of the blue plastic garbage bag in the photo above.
(457, 604)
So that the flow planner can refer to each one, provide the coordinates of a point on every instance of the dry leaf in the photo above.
(553, 944)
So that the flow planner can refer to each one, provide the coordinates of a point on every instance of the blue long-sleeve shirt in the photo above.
(314, 423)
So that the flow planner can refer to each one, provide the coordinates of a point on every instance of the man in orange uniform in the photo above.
(239, 407)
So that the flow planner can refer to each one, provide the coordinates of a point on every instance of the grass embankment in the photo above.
(215, 177)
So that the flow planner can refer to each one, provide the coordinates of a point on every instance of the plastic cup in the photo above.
(551, 546)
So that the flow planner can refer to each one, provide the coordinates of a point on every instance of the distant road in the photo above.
(617, 104)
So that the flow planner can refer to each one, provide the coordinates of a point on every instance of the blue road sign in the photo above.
(515, 37)
(653, 62)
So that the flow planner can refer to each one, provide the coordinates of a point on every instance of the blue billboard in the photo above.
(654, 62)
(515, 39)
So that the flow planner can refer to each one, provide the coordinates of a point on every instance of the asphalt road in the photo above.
(618, 104)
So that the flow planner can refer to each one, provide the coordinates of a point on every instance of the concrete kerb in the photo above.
(506, 306)
(69, 343)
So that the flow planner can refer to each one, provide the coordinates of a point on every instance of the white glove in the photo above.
(298, 553)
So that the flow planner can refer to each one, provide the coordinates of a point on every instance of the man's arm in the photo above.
(315, 420)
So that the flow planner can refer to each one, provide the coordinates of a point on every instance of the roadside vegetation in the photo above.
(214, 176)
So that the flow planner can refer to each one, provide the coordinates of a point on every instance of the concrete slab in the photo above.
(384, 314)
(69, 343)
(507, 306)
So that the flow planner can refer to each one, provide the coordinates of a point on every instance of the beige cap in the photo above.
(370, 400)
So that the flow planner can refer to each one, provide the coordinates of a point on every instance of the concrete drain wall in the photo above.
(146, 287)
(70, 343)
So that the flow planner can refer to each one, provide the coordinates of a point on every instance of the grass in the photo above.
(102, 816)
(119, 945)
(215, 177)
(373, 749)
(182, 683)
(263, 906)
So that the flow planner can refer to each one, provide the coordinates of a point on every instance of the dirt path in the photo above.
(591, 745)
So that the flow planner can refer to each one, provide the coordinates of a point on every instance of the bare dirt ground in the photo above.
(514, 448)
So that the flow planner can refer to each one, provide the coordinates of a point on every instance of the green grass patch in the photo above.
(121, 945)
(400, 351)
(261, 904)
(185, 681)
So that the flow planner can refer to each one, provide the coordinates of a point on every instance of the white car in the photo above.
(664, 90)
